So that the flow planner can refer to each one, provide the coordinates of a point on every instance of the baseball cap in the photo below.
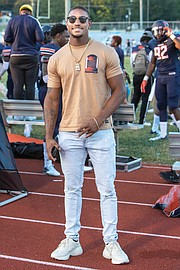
(26, 6)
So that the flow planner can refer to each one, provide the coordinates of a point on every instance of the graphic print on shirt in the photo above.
(91, 64)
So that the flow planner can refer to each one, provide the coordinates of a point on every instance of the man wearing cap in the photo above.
(138, 76)
(22, 32)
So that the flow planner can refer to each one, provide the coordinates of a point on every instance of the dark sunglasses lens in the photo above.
(72, 19)
(82, 19)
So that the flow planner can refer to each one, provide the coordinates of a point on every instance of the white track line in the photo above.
(116, 180)
(89, 228)
(89, 199)
(166, 167)
(44, 263)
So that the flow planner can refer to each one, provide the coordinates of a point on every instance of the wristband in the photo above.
(96, 122)
(172, 36)
(146, 78)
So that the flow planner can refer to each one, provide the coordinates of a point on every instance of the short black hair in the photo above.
(58, 28)
(80, 7)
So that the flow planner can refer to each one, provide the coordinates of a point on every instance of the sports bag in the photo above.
(27, 150)
(140, 62)
(170, 203)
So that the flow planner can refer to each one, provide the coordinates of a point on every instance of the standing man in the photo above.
(139, 60)
(22, 32)
(92, 85)
(165, 58)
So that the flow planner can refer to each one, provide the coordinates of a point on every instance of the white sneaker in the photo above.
(158, 137)
(148, 124)
(114, 251)
(87, 168)
(19, 118)
(27, 130)
(50, 170)
(10, 117)
(68, 247)
(30, 118)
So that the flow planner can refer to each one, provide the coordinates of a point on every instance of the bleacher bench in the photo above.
(174, 149)
(123, 118)
(15, 107)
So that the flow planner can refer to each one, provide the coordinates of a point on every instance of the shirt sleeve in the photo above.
(54, 80)
(113, 64)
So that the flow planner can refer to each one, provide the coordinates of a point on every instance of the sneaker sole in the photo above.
(120, 262)
(45, 173)
(106, 255)
(78, 251)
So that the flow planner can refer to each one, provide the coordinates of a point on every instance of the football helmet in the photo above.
(47, 33)
(158, 30)
(46, 28)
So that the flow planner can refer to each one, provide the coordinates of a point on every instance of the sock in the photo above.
(163, 129)
(178, 124)
(173, 117)
(47, 162)
(156, 121)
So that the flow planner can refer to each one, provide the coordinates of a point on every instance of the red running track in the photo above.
(31, 228)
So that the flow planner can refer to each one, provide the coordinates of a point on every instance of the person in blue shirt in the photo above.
(165, 58)
(23, 32)
(116, 43)
(60, 37)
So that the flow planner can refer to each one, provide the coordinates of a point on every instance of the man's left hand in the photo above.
(89, 129)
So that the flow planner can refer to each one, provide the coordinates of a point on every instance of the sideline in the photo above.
(44, 263)
(90, 228)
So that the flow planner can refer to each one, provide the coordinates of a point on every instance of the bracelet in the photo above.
(146, 78)
(96, 122)
(172, 36)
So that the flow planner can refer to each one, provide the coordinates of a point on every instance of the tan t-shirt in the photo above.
(85, 92)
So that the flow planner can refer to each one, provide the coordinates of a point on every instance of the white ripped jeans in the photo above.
(101, 149)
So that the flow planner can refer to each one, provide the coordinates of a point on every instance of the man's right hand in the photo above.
(50, 144)
(143, 86)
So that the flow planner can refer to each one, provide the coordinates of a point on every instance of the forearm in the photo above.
(150, 69)
(175, 40)
(51, 105)
(116, 99)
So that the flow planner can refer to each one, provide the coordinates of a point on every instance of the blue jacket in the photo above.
(22, 32)
(120, 53)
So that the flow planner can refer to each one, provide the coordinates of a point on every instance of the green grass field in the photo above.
(132, 142)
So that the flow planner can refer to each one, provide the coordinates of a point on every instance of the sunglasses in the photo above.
(72, 19)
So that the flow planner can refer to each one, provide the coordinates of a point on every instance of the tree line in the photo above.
(103, 10)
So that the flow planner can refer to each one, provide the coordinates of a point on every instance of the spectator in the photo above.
(128, 47)
(1, 49)
(165, 59)
(139, 61)
(47, 36)
(22, 32)
(86, 70)
(116, 44)
(6, 52)
(59, 36)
